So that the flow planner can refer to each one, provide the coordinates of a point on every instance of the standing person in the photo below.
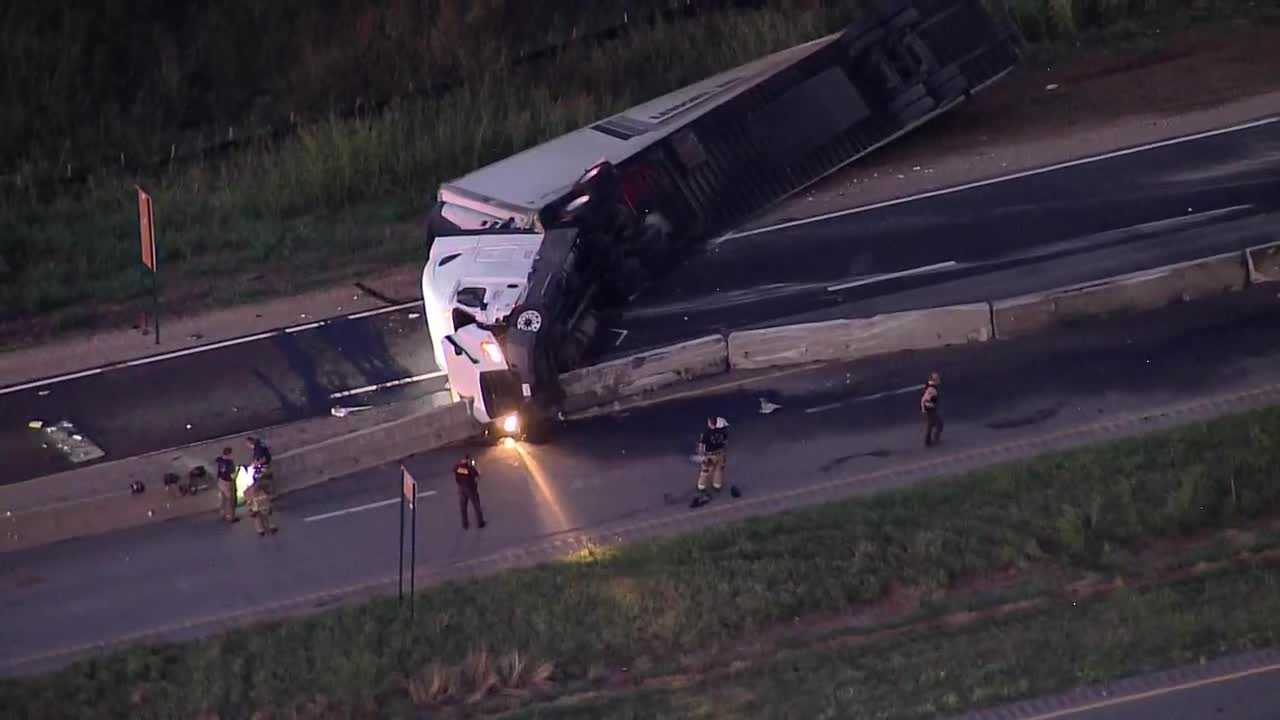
(259, 496)
(259, 451)
(260, 461)
(930, 400)
(227, 485)
(467, 476)
(711, 446)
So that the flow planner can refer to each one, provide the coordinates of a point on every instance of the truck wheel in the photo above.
(908, 98)
(903, 19)
(862, 42)
(916, 111)
(951, 90)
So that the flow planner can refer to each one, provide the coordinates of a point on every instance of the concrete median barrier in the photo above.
(1264, 264)
(97, 499)
(1136, 292)
(855, 338)
(644, 372)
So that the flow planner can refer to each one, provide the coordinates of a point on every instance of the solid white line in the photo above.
(361, 508)
(1125, 699)
(864, 398)
(824, 408)
(381, 310)
(308, 326)
(890, 276)
(38, 383)
(203, 348)
(1004, 178)
(388, 384)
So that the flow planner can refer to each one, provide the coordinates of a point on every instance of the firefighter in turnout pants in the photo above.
(226, 465)
(929, 402)
(712, 449)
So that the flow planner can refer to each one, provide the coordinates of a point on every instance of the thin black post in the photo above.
(400, 593)
(155, 298)
(413, 551)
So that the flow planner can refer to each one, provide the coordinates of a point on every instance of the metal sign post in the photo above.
(409, 492)
(147, 231)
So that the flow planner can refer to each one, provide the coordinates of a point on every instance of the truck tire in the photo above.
(916, 111)
(865, 41)
(954, 88)
(908, 98)
(902, 19)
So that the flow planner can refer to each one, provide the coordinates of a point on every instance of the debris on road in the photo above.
(339, 411)
(35, 424)
(72, 443)
(767, 407)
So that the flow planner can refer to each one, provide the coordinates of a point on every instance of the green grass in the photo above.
(340, 197)
(946, 673)
(648, 604)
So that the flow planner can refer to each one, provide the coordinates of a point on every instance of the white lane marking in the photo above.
(889, 276)
(308, 326)
(381, 310)
(361, 508)
(202, 348)
(1003, 178)
(864, 398)
(1137, 697)
(388, 384)
(824, 408)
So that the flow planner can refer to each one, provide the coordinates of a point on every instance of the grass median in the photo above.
(703, 600)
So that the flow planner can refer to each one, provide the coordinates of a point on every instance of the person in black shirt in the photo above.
(467, 476)
(712, 449)
(930, 400)
(226, 471)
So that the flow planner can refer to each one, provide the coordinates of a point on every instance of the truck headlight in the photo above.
(511, 424)
(492, 351)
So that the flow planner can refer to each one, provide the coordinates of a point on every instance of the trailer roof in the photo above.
(538, 176)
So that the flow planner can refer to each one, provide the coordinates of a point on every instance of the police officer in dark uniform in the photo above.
(467, 476)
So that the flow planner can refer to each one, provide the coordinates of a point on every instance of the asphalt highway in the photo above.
(790, 430)
(227, 390)
(1023, 234)
(1033, 232)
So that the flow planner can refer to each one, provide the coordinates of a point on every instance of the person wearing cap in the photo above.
(226, 472)
(711, 446)
(467, 476)
(930, 400)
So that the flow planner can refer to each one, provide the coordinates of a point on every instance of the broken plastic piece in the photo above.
(35, 424)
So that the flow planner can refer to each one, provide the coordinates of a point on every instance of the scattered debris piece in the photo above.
(414, 316)
(1051, 87)
(339, 411)
(35, 424)
(195, 336)
(767, 407)
(188, 426)
(42, 393)
(64, 436)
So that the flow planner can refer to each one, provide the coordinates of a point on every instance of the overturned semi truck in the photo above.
(523, 253)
